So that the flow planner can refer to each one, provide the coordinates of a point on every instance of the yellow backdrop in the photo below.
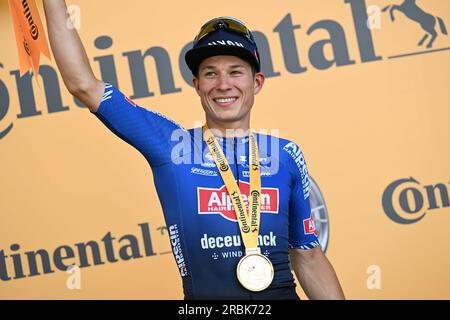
(369, 107)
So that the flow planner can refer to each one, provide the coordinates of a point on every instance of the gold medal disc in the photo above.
(255, 272)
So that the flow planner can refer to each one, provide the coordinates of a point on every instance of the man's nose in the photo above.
(223, 82)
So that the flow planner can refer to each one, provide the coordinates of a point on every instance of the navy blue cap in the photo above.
(223, 42)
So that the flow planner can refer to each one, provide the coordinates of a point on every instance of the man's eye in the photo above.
(236, 72)
(210, 74)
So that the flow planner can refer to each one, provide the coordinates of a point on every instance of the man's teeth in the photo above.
(225, 100)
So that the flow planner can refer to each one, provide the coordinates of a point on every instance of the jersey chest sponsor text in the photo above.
(218, 201)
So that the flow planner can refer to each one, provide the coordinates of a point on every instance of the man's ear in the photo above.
(196, 83)
(260, 78)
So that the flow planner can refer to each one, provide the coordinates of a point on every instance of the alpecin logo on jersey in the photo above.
(218, 201)
(309, 226)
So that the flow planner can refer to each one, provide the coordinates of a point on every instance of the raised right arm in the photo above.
(71, 57)
(146, 130)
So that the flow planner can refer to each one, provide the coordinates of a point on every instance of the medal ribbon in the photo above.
(248, 223)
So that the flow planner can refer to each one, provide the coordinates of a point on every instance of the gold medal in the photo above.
(255, 272)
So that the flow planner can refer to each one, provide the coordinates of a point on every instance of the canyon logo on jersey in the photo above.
(218, 201)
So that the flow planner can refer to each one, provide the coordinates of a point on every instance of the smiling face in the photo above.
(227, 87)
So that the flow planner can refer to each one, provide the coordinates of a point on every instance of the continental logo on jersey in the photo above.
(218, 201)
(309, 227)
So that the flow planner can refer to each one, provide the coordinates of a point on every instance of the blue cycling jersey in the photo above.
(198, 211)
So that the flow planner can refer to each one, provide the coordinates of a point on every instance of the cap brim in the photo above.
(194, 57)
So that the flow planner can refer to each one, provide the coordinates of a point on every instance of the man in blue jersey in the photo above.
(236, 203)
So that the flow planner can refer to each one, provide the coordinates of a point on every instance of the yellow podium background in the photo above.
(65, 179)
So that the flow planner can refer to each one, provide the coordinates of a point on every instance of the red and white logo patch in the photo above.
(218, 201)
(309, 226)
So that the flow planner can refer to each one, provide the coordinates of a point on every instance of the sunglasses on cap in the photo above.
(228, 23)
